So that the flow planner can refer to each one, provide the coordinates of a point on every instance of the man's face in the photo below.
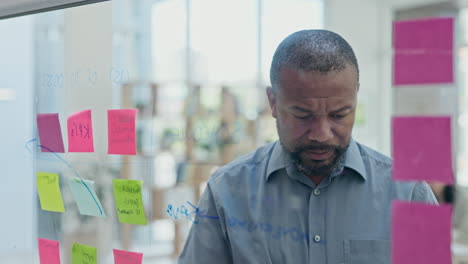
(314, 113)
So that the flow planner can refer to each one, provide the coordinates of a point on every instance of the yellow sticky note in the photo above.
(82, 254)
(128, 201)
(49, 192)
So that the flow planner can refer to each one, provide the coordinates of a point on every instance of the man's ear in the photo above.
(272, 100)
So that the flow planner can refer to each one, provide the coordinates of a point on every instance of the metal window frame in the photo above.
(17, 12)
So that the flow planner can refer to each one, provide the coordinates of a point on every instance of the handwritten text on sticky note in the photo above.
(82, 254)
(128, 201)
(127, 257)
(422, 148)
(50, 133)
(49, 251)
(121, 130)
(421, 233)
(80, 132)
(85, 196)
(48, 189)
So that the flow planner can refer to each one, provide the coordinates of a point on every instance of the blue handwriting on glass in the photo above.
(182, 211)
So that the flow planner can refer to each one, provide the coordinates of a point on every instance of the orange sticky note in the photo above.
(127, 257)
(49, 251)
(121, 131)
(80, 132)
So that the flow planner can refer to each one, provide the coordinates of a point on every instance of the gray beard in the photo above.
(327, 170)
(335, 167)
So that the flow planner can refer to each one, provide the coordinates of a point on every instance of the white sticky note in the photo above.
(86, 198)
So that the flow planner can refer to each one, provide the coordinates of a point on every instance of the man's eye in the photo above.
(337, 116)
(302, 117)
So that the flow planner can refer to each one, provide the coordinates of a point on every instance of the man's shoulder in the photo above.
(245, 162)
(368, 153)
(381, 166)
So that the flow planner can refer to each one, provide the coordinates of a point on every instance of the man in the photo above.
(315, 196)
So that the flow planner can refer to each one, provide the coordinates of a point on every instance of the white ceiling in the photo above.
(10, 8)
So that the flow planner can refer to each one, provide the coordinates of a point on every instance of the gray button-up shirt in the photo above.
(261, 209)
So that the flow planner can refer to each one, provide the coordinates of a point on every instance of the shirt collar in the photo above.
(353, 159)
(277, 159)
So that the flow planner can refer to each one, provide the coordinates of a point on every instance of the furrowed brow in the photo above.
(342, 109)
(298, 108)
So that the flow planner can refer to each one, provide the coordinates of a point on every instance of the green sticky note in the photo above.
(49, 192)
(128, 201)
(82, 254)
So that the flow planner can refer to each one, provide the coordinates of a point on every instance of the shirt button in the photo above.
(317, 191)
(317, 238)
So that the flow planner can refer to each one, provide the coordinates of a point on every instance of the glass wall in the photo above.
(195, 70)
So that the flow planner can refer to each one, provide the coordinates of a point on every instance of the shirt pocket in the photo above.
(366, 251)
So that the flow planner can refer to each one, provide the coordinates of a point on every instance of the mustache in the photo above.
(316, 147)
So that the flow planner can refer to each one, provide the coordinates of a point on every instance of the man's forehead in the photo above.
(327, 84)
(306, 97)
(321, 105)
(288, 70)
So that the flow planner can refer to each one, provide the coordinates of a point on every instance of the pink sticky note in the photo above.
(423, 51)
(421, 233)
(49, 251)
(50, 134)
(121, 131)
(127, 257)
(422, 149)
(428, 33)
(80, 132)
(426, 67)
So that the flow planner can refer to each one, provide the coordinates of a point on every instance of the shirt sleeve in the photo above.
(207, 241)
(423, 193)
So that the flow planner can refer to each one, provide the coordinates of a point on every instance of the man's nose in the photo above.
(320, 129)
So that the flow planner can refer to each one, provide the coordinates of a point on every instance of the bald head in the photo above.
(312, 50)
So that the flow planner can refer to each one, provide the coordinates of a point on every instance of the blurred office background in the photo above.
(197, 71)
